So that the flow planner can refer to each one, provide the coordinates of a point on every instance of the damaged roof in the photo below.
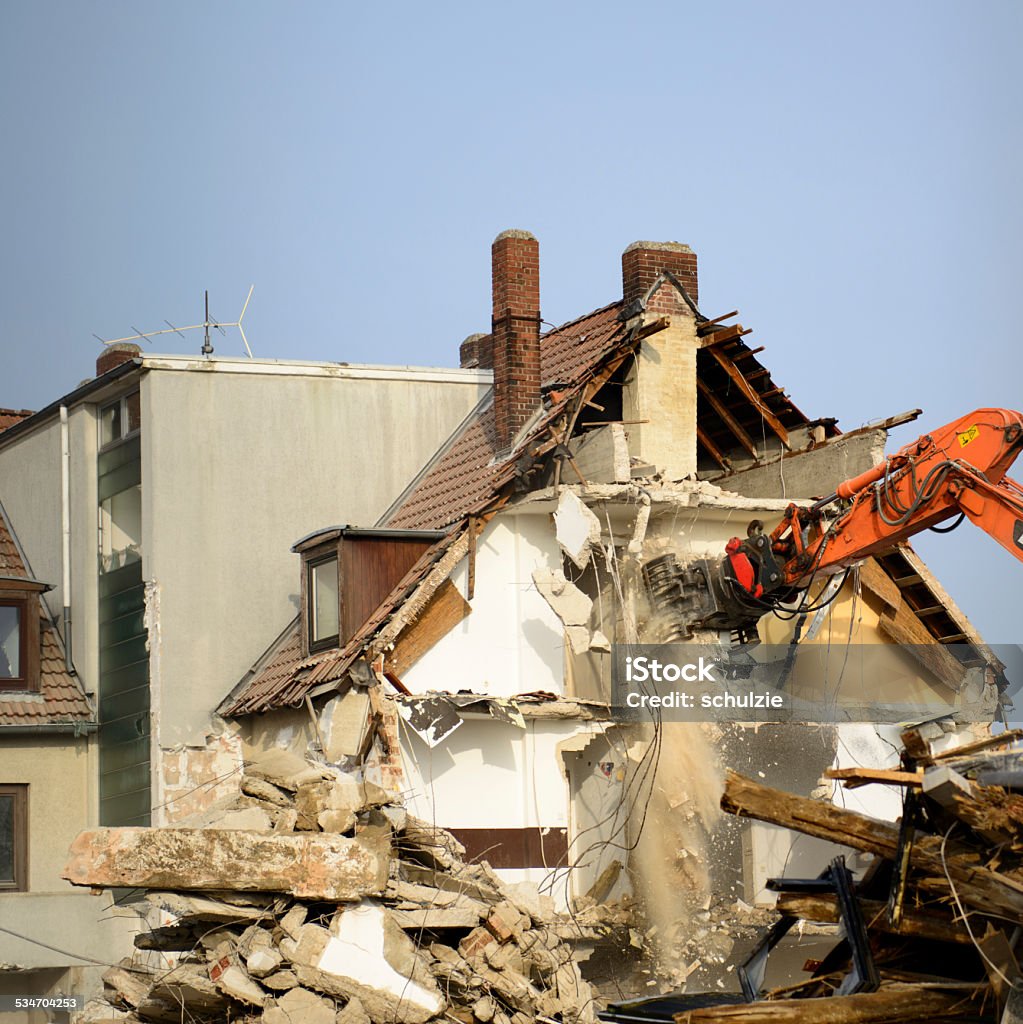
(461, 476)
(60, 699)
(469, 477)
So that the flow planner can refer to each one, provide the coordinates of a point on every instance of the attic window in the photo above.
(324, 610)
(12, 643)
(19, 635)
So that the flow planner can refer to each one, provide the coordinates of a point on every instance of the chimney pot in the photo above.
(115, 355)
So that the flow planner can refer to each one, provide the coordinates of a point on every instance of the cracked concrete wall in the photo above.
(809, 474)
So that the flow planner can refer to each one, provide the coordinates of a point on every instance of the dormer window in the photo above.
(19, 633)
(12, 642)
(346, 573)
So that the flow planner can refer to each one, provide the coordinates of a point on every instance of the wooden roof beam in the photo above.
(730, 421)
(747, 389)
(713, 450)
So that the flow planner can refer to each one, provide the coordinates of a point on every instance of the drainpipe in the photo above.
(65, 529)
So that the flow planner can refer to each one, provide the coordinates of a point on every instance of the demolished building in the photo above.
(456, 654)
(478, 684)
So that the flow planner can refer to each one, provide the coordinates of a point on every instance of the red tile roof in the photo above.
(8, 417)
(60, 698)
(459, 478)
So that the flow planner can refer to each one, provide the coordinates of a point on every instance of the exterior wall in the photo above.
(512, 642)
(60, 773)
(236, 466)
(30, 492)
(488, 775)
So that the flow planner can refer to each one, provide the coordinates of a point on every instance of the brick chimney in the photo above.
(114, 355)
(477, 352)
(642, 262)
(516, 332)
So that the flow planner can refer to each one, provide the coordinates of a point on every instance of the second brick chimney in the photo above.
(115, 355)
(516, 332)
(644, 262)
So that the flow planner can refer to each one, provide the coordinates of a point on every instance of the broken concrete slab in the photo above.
(263, 790)
(283, 768)
(569, 603)
(202, 908)
(185, 989)
(366, 955)
(343, 723)
(280, 981)
(126, 987)
(229, 976)
(577, 529)
(353, 1013)
(261, 962)
(320, 866)
(300, 1005)
(436, 917)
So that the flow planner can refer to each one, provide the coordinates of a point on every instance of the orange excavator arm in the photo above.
(957, 470)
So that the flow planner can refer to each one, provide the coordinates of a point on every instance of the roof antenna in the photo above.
(207, 348)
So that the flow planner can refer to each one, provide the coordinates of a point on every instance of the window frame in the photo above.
(312, 562)
(19, 791)
(122, 404)
(25, 602)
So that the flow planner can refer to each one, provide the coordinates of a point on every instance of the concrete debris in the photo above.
(322, 866)
(263, 790)
(437, 937)
(577, 528)
(569, 603)
(301, 1005)
(284, 769)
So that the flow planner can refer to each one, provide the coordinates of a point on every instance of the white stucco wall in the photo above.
(512, 642)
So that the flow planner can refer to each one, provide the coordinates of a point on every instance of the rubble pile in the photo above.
(379, 919)
(930, 931)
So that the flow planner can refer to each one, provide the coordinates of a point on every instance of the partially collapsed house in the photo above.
(460, 648)
(450, 647)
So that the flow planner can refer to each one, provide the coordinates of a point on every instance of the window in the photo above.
(323, 596)
(12, 626)
(19, 634)
(13, 838)
(119, 419)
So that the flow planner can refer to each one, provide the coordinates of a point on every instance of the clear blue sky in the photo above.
(848, 174)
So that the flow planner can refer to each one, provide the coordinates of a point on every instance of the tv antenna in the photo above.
(207, 348)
